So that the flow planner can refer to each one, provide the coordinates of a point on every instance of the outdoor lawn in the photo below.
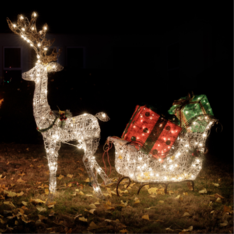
(24, 184)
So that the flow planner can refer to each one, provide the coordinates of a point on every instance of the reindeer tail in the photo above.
(102, 116)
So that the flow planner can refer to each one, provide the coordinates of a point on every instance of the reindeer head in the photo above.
(40, 71)
(28, 31)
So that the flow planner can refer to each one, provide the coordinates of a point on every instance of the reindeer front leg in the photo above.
(52, 157)
(89, 165)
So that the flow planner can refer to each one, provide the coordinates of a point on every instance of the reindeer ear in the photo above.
(54, 67)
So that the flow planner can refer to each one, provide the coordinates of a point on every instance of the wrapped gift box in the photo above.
(154, 133)
(189, 107)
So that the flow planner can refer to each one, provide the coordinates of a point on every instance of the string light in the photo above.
(198, 105)
(180, 164)
(49, 122)
(35, 39)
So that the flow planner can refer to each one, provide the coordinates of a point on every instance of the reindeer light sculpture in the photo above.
(83, 128)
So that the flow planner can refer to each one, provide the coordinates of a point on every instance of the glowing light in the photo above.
(49, 123)
(179, 164)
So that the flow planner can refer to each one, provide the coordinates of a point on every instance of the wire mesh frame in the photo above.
(190, 139)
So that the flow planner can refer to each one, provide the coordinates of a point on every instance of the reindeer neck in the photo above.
(41, 108)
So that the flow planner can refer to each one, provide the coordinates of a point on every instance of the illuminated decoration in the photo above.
(188, 107)
(28, 31)
(59, 127)
(183, 162)
(154, 133)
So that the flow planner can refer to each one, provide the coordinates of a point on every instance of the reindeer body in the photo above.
(83, 128)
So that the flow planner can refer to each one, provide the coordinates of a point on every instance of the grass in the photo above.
(206, 214)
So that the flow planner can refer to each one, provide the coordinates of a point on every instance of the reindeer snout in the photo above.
(27, 77)
(23, 75)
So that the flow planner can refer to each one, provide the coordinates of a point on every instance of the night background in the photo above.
(117, 55)
(134, 72)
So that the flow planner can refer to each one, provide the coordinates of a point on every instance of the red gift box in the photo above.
(152, 132)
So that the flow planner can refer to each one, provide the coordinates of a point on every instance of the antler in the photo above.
(28, 31)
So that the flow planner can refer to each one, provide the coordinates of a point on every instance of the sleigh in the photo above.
(182, 163)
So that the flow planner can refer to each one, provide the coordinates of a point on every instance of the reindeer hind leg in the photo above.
(89, 162)
(98, 169)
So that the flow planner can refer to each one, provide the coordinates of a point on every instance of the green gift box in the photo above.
(189, 107)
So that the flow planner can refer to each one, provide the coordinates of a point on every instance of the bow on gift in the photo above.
(183, 102)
